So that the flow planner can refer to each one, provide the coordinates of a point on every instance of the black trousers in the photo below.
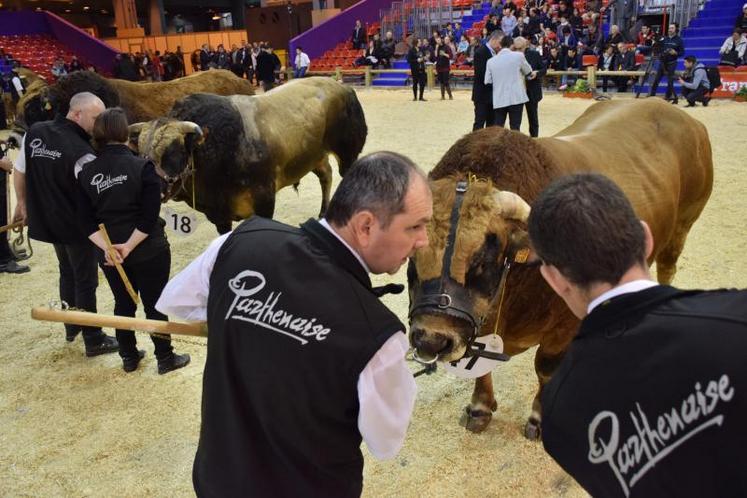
(484, 115)
(79, 277)
(533, 117)
(418, 83)
(513, 112)
(148, 278)
(668, 69)
(693, 96)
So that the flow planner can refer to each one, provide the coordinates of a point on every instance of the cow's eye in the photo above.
(484, 271)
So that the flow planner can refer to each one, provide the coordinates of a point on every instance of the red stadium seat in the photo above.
(589, 60)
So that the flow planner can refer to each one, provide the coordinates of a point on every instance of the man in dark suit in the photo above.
(359, 36)
(650, 397)
(205, 58)
(534, 85)
(482, 94)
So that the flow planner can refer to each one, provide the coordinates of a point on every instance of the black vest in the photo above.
(52, 149)
(651, 396)
(292, 322)
(113, 183)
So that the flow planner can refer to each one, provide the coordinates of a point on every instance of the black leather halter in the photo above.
(445, 296)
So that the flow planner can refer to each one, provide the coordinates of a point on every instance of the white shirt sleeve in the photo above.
(19, 86)
(185, 296)
(20, 164)
(386, 395)
(488, 74)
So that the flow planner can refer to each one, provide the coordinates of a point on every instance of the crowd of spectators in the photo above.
(149, 65)
(255, 61)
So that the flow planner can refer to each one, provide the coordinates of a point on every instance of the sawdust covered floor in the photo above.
(73, 426)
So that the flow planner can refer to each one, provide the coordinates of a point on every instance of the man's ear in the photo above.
(648, 239)
(555, 279)
(361, 224)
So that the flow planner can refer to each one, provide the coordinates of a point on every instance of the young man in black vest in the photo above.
(482, 94)
(651, 396)
(52, 153)
(303, 359)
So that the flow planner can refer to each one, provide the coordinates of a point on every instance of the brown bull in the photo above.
(658, 155)
(141, 101)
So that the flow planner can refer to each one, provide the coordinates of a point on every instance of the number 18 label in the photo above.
(182, 224)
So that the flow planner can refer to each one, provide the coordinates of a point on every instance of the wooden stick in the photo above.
(87, 319)
(113, 256)
(11, 226)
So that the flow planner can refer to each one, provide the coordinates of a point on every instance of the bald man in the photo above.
(53, 152)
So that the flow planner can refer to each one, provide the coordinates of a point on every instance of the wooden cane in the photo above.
(122, 274)
(11, 226)
(86, 319)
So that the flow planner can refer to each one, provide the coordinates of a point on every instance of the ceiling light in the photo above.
(216, 17)
(86, 7)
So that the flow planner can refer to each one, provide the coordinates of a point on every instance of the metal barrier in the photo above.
(418, 17)
(591, 73)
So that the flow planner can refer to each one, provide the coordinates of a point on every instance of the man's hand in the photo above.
(681, 81)
(532, 75)
(123, 250)
(20, 213)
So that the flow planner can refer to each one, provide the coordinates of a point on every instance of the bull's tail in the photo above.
(347, 136)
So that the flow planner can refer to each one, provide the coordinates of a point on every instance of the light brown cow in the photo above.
(658, 154)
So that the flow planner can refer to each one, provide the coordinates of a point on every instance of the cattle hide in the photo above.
(657, 154)
(254, 146)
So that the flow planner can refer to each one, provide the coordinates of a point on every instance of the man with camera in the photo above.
(671, 48)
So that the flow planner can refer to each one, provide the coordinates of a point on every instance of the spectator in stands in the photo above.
(671, 48)
(74, 65)
(222, 61)
(567, 39)
(450, 44)
(492, 24)
(508, 22)
(506, 72)
(369, 56)
(496, 9)
(592, 40)
(206, 57)
(448, 31)
(562, 25)
(733, 50)
(624, 13)
(645, 40)
(484, 36)
(463, 45)
(458, 31)
(554, 62)
(443, 57)
(570, 61)
(387, 50)
(613, 38)
(482, 93)
(625, 61)
(13, 85)
(179, 62)
(157, 66)
(534, 24)
(576, 22)
(59, 69)
(469, 58)
(359, 35)
(302, 63)
(416, 60)
(534, 85)
(124, 68)
(607, 62)
(694, 82)
(741, 22)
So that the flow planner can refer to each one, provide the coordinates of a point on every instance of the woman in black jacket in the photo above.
(417, 69)
(123, 192)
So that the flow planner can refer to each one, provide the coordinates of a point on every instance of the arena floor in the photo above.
(73, 426)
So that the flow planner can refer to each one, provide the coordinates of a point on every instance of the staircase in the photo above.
(394, 79)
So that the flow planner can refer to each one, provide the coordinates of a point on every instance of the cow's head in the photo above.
(452, 284)
(33, 107)
(169, 143)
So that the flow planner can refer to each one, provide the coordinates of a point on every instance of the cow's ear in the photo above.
(521, 249)
(134, 134)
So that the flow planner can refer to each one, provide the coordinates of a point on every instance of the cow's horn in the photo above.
(136, 127)
(189, 127)
(512, 206)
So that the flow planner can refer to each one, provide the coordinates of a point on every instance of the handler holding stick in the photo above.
(123, 193)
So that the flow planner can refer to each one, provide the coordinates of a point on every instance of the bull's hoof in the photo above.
(476, 420)
(532, 430)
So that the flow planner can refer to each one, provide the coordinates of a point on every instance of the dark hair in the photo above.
(585, 226)
(506, 42)
(110, 126)
(691, 59)
(496, 34)
(378, 183)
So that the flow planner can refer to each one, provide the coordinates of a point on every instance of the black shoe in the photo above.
(130, 363)
(675, 101)
(705, 101)
(690, 104)
(108, 345)
(70, 336)
(414, 99)
(422, 99)
(172, 362)
(13, 267)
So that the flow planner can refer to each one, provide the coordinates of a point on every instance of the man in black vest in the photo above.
(44, 179)
(651, 396)
(534, 85)
(482, 94)
(303, 359)
(671, 49)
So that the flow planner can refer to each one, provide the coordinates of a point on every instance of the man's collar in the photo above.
(627, 288)
(63, 120)
(323, 222)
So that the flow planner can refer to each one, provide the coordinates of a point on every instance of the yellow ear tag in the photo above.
(522, 255)
(47, 106)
